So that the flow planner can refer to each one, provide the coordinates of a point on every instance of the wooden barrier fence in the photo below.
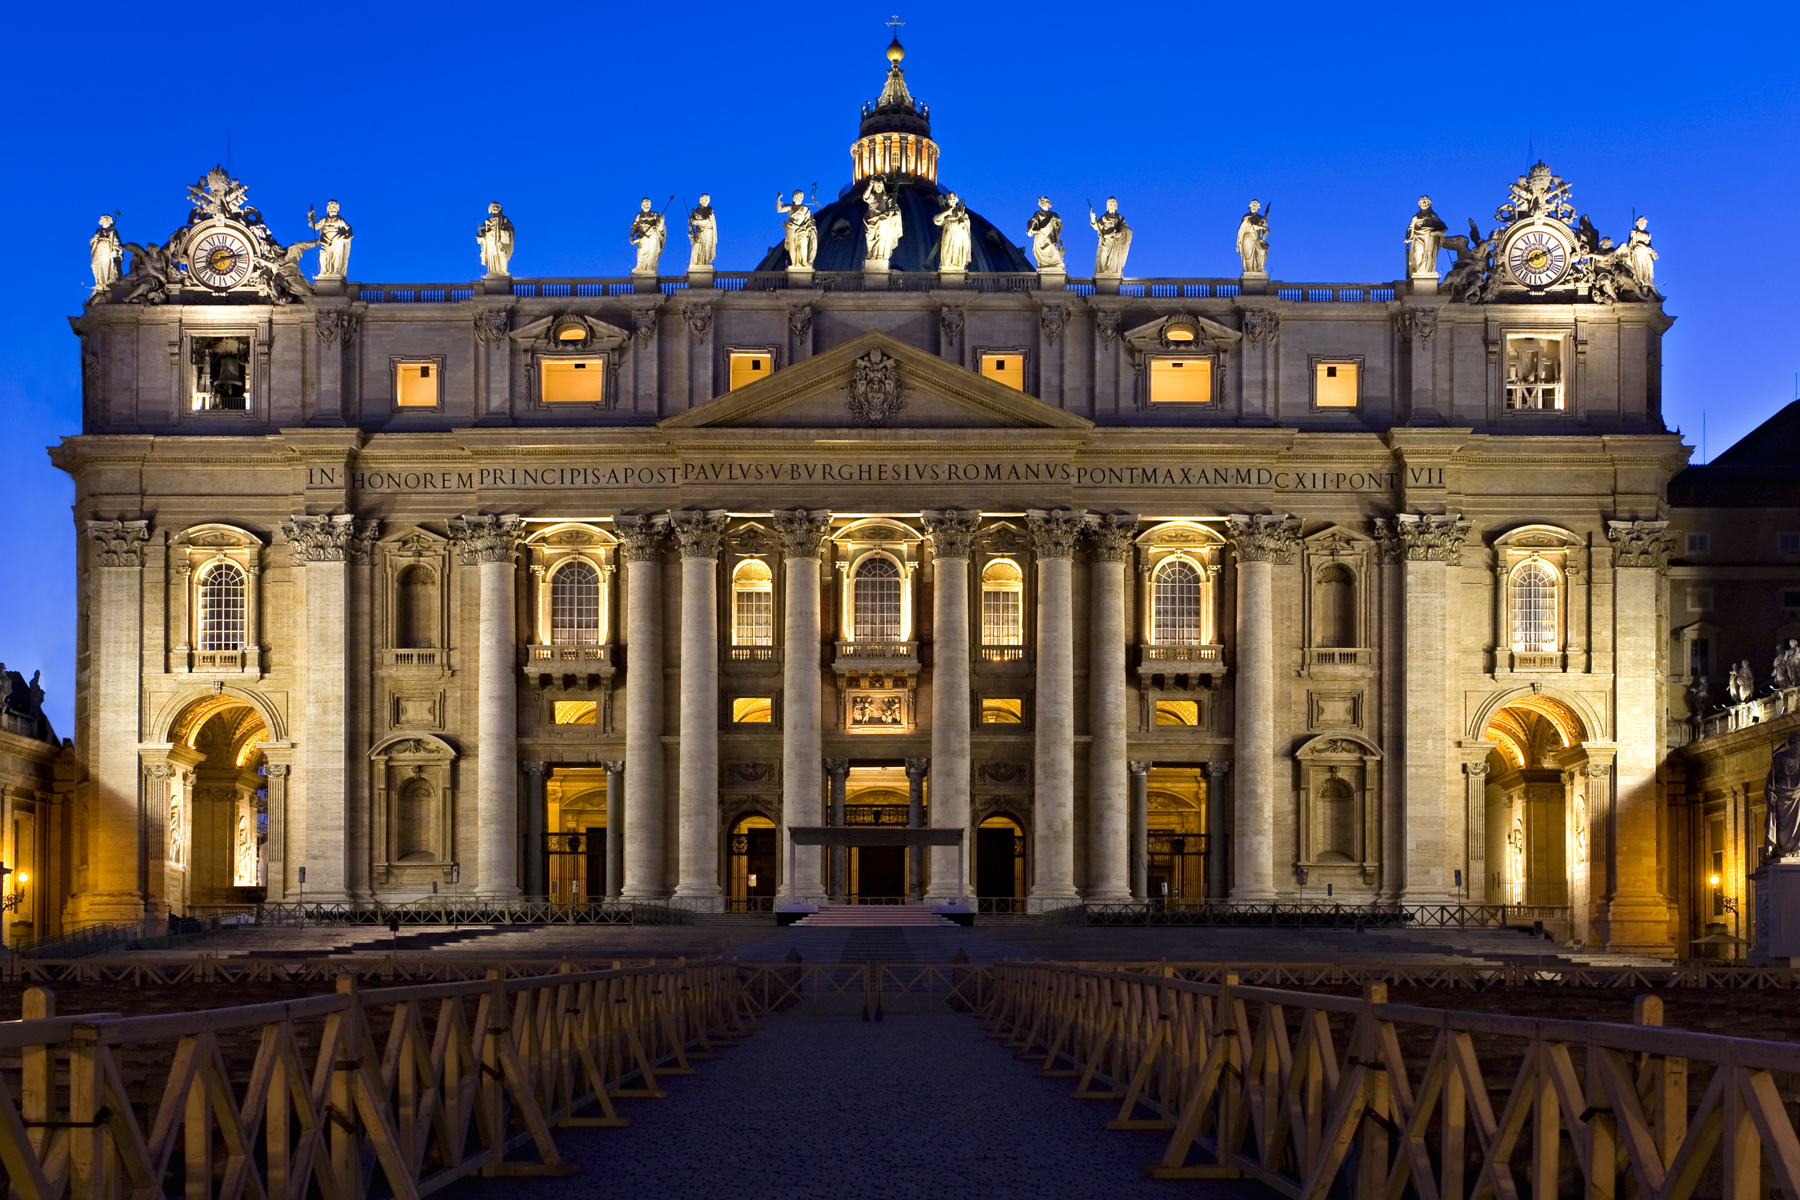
(427, 1083)
(1312, 1093)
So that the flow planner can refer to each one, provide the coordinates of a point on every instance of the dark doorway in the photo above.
(752, 865)
(594, 845)
(999, 859)
(881, 872)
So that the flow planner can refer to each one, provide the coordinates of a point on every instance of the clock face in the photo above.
(220, 259)
(1537, 258)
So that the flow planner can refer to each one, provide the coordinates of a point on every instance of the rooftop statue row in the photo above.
(225, 246)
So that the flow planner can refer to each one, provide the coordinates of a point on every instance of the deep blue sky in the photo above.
(1339, 114)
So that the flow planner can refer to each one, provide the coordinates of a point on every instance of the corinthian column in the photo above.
(1054, 535)
(115, 584)
(1260, 543)
(697, 856)
(488, 544)
(324, 546)
(1109, 825)
(802, 535)
(1633, 918)
(641, 546)
(1433, 806)
(952, 534)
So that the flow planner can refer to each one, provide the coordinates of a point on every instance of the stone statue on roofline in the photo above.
(800, 232)
(1641, 259)
(648, 233)
(1045, 231)
(954, 248)
(1424, 238)
(1253, 240)
(334, 241)
(1781, 791)
(495, 237)
(1115, 240)
(703, 234)
(105, 253)
(882, 226)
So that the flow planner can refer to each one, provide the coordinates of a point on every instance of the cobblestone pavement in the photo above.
(839, 1108)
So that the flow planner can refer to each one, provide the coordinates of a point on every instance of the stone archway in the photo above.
(213, 783)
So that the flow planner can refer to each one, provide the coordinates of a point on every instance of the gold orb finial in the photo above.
(895, 50)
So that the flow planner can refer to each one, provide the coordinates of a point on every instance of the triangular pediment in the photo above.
(819, 394)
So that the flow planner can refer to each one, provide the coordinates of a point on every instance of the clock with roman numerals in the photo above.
(1538, 257)
(219, 257)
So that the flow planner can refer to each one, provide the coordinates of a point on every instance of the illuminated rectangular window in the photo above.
(1005, 366)
(416, 384)
(1002, 711)
(748, 366)
(573, 380)
(1181, 381)
(577, 712)
(221, 373)
(753, 710)
(1534, 372)
(1334, 384)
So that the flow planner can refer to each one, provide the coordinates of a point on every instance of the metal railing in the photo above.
(450, 909)
(461, 1079)
(1186, 911)
(1315, 1095)
(81, 942)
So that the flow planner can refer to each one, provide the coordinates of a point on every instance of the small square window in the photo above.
(417, 384)
(1699, 543)
(1002, 711)
(1790, 597)
(1005, 366)
(577, 712)
(1699, 599)
(753, 710)
(1787, 543)
(1181, 381)
(748, 366)
(573, 380)
(1335, 384)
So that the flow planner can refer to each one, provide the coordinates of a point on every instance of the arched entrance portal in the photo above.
(1540, 792)
(214, 806)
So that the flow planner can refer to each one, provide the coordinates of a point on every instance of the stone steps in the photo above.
(875, 916)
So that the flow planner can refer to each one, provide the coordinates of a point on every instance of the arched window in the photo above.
(753, 604)
(222, 607)
(1175, 604)
(414, 818)
(1002, 610)
(575, 605)
(1337, 821)
(416, 609)
(1534, 624)
(1334, 607)
(875, 600)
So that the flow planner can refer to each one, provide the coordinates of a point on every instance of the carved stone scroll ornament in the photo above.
(1002, 772)
(640, 537)
(1431, 538)
(802, 530)
(333, 323)
(875, 390)
(1106, 323)
(644, 321)
(491, 324)
(1416, 324)
(1476, 770)
(1640, 543)
(1111, 536)
(119, 543)
(1053, 317)
(698, 532)
(330, 539)
(1053, 532)
(800, 320)
(1260, 323)
(952, 531)
(486, 539)
(1263, 538)
(950, 321)
(698, 316)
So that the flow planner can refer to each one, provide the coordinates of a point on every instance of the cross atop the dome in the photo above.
(895, 24)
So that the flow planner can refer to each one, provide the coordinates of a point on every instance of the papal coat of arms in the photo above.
(875, 390)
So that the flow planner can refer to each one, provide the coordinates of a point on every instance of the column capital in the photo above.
(613, 766)
(537, 770)
(1054, 531)
(276, 770)
(1138, 766)
(1111, 536)
(1423, 537)
(698, 531)
(837, 768)
(486, 539)
(119, 543)
(1640, 543)
(917, 768)
(342, 538)
(952, 531)
(1476, 770)
(1218, 769)
(802, 530)
(1259, 537)
(640, 537)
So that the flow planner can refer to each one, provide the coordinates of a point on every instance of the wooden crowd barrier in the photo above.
(428, 1083)
(1312, 1094)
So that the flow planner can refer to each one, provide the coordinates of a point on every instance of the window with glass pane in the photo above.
(753, 604)
(222, 608)
(1002, 606)
(1534, 609)
(575, 605)
(1175, 604)
(875, 600)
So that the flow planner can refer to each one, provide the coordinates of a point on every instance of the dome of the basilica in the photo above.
(894, 144)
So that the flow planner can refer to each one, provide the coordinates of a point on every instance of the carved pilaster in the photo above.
(1053, 532)
(952, 531)
(1640, 543)
(119, 543)
(640, 537)
(1431, 538)
(1111, 536)
(698, 532)
(802, 530)
(341, 538)
(486, 539)
(1389, 547)
(1263, 538)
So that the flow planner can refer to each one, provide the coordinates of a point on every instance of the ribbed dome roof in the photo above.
(842, 246)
